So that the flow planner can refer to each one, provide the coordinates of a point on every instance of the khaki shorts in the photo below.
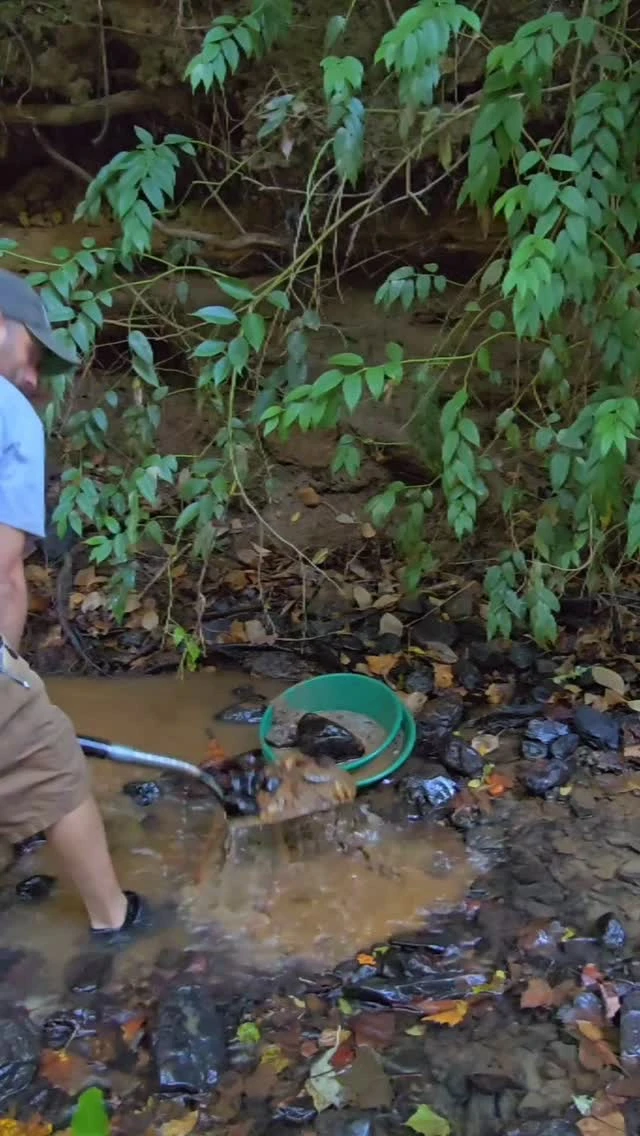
(43, 772)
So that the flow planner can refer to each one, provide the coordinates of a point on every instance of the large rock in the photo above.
(19, 1051)
(189, 1044)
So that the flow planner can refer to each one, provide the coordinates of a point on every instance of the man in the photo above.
(44, 782)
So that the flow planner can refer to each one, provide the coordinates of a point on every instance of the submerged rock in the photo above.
(565, 746)
(249, 712)
(427, 793)
(463, 759)
(58, 1031)
(541, 777)
(35, 887)
(421, 680)
(630, 1032)
(188, 1043)
(144, 793)
(88, 972)
(435, 725)
(545, 730)
(19, 1051)
(598, 730)
(318, 736)
(611, 932)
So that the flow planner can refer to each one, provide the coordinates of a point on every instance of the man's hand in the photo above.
(13, 585)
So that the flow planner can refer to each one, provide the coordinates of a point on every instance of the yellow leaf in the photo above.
(365, 960)
(382, 665)
(274, 1056)
(181, 1127)
(452, 1017)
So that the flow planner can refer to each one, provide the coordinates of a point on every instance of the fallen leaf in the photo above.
(374, 1028)
(295, 517)
(255, 632)
(611, 1125)
(497, 784)
(308, 1049)
(596, 1055)
(416, 1031)
(427, 1122)
(309, 496)
(343, 1056)
(323, 1085)
(331, 1038)
(181, 1127)
(364, 959)
(390, 624)
(591, 975)
(362, 597)
(589, 1030)
(150, 620)
(611, 1000)
(443, 676)
(237, 580)
(133, 1030)
(611, 680)
(414, 702)
(345, 519)
(368, 531)
(35, 1127)
(366, 1082)
(344, 1006)
(237, 633)
(64, 1070)
(93, 602)
(86, 577)
(215, 752)
(497, 693)
(583, 1104)
(485, 744)
(248, 1033)
(272, 1055)
(382, 665)
(390, 599)
(537, 995)
(450, 1017)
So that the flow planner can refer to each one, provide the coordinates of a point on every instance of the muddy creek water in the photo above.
(261, 910)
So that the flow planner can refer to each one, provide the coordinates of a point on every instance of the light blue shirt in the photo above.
(22, 463)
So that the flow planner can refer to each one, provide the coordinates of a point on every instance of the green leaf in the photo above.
(573, 200)
(234, 288)
(90, 1117)
(279, 300)
(238, 352)
(248, 1033)
(216, 314)
(564, 163)
(335, 28)
(352, 390)
(188, 514)
(559, 467)
(140, 346)
(492, 274)
(541, 192)
(254, 329)
(346, 359)
(427, 1122)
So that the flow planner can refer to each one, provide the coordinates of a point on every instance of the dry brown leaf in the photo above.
(64, 1070)
(364, 959)
(611, 1125)
(389, 599)
(133, 1030)
(93, 602)
(414, 702)
(498, 693)
(37, 575)
(611, 1000)
(497, 784)
(237, 633)
(591, 975)
(181, 1127)
(150, 620)
(537, 995)
(132, 604)
(247, 556)
(255, 632)
(361, 597)
(485, 744)
(34, 1127)
(86, 577)
(382, 665)
(440, 653)
(375, 1028)
(611, 680)
(237, 580)
(390, 624)
(330, 1038)
(596, 1055)
(309, 496)
(443, 676)
(368, 531)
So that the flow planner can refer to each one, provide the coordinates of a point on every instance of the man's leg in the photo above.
(80, 843)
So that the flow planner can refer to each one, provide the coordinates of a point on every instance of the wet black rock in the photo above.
(88, 972)
(550, 1127)
(426, 793)
(463, 759)
(597, 729)
(188, 1043)
(433, 629)
(57, 1032)
(249, 712)
(523, 656)
(144, 793)
(318, 736)
(19, 1051)
(546, 730)
(468, 675)
(296, 1112)
(35, 888)
(387, 644)
(564, 746)
(421, 680)
(611, 932)
(487, 656)
(541, 777)
(533, 750)
(29, 845)
(630, 1032)
(435, 725)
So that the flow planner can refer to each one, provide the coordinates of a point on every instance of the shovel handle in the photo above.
(126, 755)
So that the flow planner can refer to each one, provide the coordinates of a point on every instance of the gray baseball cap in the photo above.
(21, 303)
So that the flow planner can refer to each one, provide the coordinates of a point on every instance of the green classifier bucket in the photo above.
(358, 694)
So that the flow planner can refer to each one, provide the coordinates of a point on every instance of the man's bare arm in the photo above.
(13, 585)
